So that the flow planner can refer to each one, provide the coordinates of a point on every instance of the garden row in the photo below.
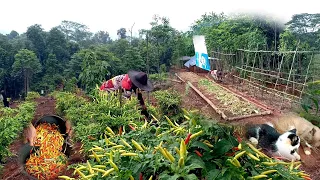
(120, 144)
(13, 121)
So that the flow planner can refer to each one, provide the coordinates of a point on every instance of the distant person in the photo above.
(4, 99)
(217, 75)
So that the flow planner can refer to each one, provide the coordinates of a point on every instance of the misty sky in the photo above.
(110, 15)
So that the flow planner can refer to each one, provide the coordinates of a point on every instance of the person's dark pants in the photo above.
(6, 103)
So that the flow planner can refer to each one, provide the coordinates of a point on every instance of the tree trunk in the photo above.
(25, 81)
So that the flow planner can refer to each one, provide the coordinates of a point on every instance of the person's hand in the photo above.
(139, 96)
(31, 134)
(68, 128)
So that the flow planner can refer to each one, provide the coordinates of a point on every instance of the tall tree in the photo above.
(101, 37)
(122, 33)
(57, 44)
(36, 35)
(13, 34)
(77, 32)
(26, 63)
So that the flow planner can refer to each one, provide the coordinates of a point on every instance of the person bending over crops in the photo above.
(132, 81)
(216, 74)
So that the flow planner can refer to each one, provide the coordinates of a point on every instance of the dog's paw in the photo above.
(307, 152)
(253, 140)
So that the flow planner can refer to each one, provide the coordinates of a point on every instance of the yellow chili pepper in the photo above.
(236, 162)
(297, 167)
(177, 150)
(170, 122)
(108, 172)
(252, 156)
(99, 170)
(125, 143)
(150, 177)
(115, 167)
(268, 172)
(154, 117)
(240, 154)
(89, 167)
(137, 145)
(259, 176)
(100, 166)
(196, 134)
(270, 163)
(257, 151)
(171, 158)
(291, 165)
(129, 154)
(98, 155)
(240, 146)
(95, 155)
(80, 173)
(65, 177)
(118, 146)
(181, 162)
(110, 131)
(208, 144)
(131, 177)
(186, 117)
(183, 149)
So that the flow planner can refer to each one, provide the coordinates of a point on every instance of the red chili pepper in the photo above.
(238, 138)
(230, 154)
(235, 148)
(141, 176)
(198, 153)
(187, 139)
(131, 127)
(120, 130)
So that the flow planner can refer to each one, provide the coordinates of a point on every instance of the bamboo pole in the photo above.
(277, 52)
(278, 75)
(179, 77)
(305, 80)
(272, 91)
(269, 75)
(292, 63)
(208, 101)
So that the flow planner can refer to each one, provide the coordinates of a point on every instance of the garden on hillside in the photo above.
(174, 143)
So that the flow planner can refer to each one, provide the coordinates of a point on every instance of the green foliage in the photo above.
(92, 118)
(13, 121)
(169, 101)
(216, 144)
(32, 96)
(310, 103)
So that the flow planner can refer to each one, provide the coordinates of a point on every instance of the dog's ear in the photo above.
(293, 130)
(313, 131)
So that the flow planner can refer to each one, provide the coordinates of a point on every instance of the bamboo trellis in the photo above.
(262, 68)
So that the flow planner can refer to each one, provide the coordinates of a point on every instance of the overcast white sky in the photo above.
(110, 15)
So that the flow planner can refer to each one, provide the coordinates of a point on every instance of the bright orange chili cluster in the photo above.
(48, 161)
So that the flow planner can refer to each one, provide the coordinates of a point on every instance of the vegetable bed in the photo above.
(229, 103)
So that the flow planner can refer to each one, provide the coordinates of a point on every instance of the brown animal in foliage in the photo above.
(308, 133)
